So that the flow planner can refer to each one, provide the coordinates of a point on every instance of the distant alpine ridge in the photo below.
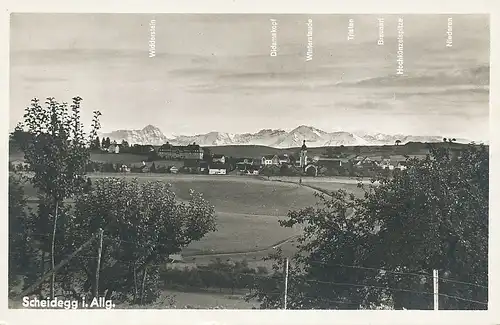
(267, 137)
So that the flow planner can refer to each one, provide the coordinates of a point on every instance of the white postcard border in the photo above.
(144, 317)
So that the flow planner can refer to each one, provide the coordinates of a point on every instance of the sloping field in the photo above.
(329, 184)
(125, 158)
(236, 194)
(248, 210)
(238, 233)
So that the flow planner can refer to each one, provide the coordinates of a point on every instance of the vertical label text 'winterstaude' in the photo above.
(449, 33)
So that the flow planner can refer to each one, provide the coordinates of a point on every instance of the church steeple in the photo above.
(304, 147)
(303, 155)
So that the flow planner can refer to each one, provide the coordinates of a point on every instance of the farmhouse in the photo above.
(270, 160)
(365, 162)
(191, 151)
(252, 170)
(401, 166)
(114, 148)
(245, 161)
(218, 159)
(283, 159)
(153, 167)
(244, 164)
(217, 169)
(19, 165)
(203, 166)
(391, 165)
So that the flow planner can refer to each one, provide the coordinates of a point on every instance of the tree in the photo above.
(57, 152)
(18, 137)
(330, 153)
(153, 168)
(143, 224)
(398, 142)
(96, 143)
(22, 256)
(207, 154)
(87, 186)
(104, 143)
(434, 215)
(271, 170)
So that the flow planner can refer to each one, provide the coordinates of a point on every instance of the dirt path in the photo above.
(245, 252)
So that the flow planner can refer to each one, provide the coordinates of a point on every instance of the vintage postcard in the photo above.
(249, 161)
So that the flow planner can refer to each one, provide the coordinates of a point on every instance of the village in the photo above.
(195, 159)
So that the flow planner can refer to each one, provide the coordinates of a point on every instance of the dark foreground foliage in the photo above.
(142, 223)
(434, 215)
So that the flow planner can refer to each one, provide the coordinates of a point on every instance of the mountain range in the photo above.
(267, 137)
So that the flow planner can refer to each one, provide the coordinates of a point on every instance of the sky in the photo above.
(215, 72)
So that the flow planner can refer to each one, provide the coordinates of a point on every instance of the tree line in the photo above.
(217, 274)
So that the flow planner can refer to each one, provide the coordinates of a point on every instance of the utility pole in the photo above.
(99, 253)
(436, 289)
(286, 281)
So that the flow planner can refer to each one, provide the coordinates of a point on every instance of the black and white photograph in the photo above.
(248, 161)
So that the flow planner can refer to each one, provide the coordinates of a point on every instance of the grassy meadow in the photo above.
(248, 210)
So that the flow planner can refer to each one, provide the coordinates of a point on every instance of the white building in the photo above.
(270, 160)
(114, 148)
(217, 171)
(219, 159)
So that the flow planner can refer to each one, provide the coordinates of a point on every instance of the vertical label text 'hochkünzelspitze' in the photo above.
(400, 53)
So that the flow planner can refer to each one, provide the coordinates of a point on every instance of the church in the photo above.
(305, 165)
(303, 155)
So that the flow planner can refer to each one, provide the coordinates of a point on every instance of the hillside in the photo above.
(411, 148)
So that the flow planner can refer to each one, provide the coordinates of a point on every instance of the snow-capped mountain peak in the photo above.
(314, 137)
